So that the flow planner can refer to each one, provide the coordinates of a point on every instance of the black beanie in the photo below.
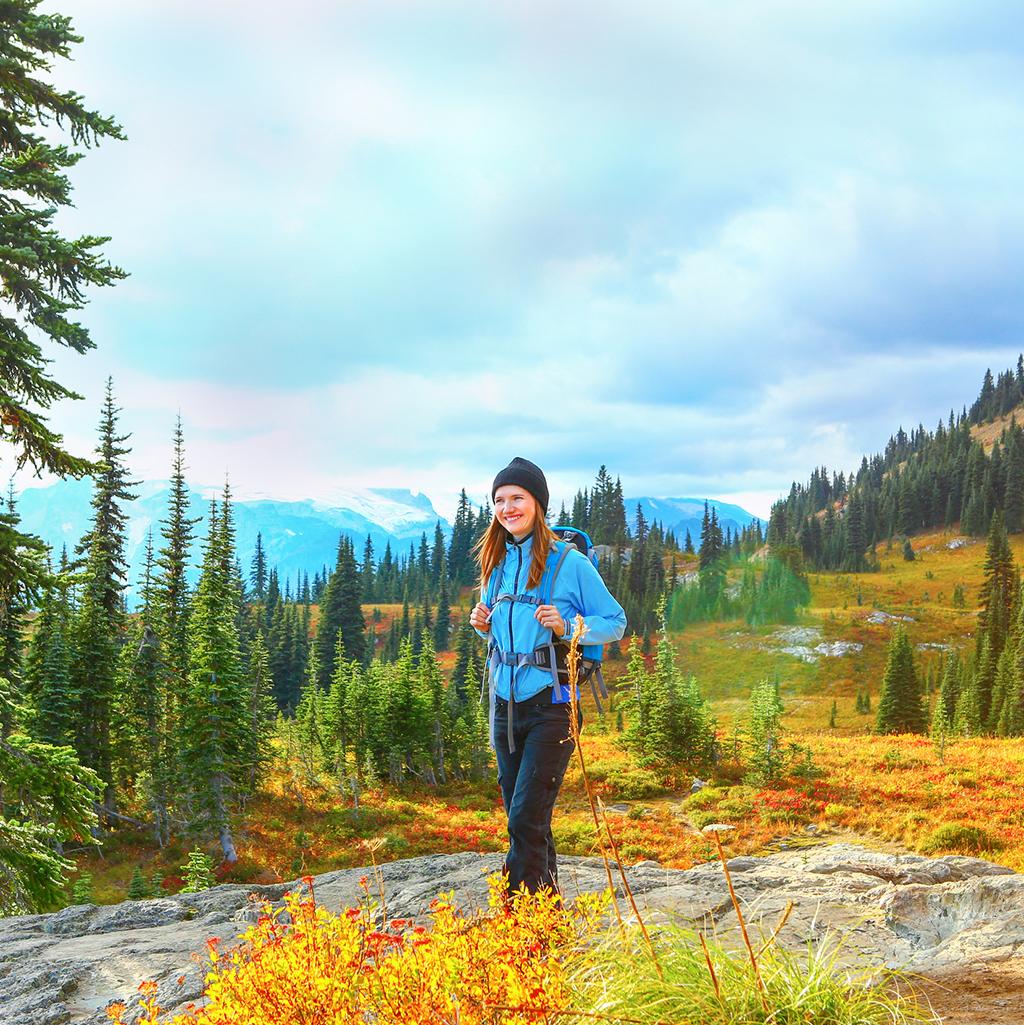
(527, 475)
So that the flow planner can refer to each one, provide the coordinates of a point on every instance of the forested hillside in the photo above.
(964, 472)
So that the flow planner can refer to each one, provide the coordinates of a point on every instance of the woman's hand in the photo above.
(549, 616)
(478, 617)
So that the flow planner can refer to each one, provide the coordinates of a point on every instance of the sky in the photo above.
(710, 245)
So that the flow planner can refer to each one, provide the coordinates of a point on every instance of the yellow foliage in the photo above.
(303, 963)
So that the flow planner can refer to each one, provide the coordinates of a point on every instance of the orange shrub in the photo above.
(303, 963)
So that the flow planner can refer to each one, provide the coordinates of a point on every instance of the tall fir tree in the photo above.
(215, 717)
(99, 628)
(258, 569)
(900, 706)
(45, 276)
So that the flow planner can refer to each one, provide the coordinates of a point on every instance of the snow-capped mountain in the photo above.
(302, 536)
(298, 536)
(680, 514)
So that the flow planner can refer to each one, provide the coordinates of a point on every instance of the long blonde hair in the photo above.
(490, 549)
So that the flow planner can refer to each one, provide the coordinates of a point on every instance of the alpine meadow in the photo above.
(246, 762)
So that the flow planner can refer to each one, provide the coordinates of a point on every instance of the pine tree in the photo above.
(48, 681)
(258, 573)
(367, 572)
(430, 685)
(46, 798)
(100, 623)
(262, 714)
(341, 611)
(144, 745)
(215, 717)
(44, 273)
(764, 732)
(443, 625)
(171, 592)
(309, 715)
(949, 687)
(335, 723)
(900, 709)
(467, 669)
(45, 276)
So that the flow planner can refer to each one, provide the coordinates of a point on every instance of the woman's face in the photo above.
(515, 509)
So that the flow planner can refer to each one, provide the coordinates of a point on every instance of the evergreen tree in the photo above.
(44, 276)
(764, 732)
(367, 572)
(100, 622)
(171, 593)
(215, 717)
(46, 798)
(257, 751)
(258, 573)
(44, 273)
(443, 624)
(900, 709)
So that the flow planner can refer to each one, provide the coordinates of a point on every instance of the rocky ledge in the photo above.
(928, 915)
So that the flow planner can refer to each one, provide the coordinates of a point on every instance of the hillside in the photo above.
(989, 432)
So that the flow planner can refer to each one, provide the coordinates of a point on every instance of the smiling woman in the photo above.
(537, 585)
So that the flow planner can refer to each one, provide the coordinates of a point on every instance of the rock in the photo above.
(800, 651)
(914, 913)
(835, 649)
(878, 616)
(696, 785)
(957, 542)
(717, 827)
(799, 635)
(617, 809)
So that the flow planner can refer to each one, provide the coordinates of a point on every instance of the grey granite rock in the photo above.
(925, 914)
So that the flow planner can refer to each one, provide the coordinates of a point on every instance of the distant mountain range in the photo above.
(302, 536)
(680, 514)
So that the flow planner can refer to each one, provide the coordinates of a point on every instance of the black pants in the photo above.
(530, 778)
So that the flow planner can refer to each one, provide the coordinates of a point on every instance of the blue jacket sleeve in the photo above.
(603, 617)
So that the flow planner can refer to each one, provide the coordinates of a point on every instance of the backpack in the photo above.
(551, 655)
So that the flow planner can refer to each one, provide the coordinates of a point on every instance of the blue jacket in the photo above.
(578, 589)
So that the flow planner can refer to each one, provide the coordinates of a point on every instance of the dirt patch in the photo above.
(980, 994)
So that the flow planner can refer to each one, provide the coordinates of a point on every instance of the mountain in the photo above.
(680, 514)
(302, 536)
(298, 536)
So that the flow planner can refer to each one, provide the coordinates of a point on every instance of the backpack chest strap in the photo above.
(525, 599)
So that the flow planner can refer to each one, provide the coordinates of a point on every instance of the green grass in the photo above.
(616, 977)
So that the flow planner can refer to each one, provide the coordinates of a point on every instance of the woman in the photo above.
(530, 737)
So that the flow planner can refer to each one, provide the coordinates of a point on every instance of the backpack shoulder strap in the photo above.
(493, 582)
(554, 564)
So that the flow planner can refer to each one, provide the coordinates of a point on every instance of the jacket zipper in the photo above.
(511, 638)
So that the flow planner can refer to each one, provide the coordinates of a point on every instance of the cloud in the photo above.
(710, 245)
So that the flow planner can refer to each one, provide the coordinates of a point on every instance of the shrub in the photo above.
(734, 809)
(835, 812)
(574, 837)
(705, 798)
(197, 871)
(81, 892)
(705, 817)
(303, 963)
(955, 837)
(634, 852)
(138, 888)
(634, 784)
